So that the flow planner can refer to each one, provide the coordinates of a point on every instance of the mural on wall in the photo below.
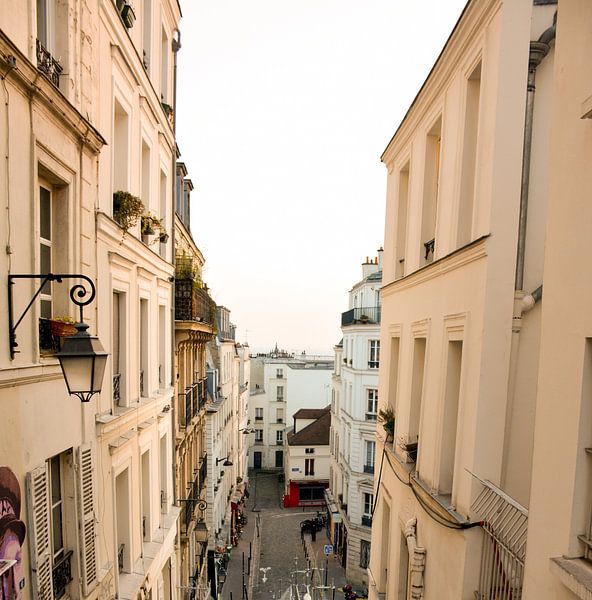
(12, 536)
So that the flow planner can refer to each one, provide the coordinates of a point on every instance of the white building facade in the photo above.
(280, 385)
(354, 407)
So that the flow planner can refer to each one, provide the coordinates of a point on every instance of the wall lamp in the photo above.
(82, 357)
(247, 430)
(226, 462)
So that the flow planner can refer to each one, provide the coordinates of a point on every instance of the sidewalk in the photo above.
(233, 587)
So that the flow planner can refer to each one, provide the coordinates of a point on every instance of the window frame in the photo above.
(373, 354)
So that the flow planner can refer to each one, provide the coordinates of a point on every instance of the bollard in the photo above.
(326, 570)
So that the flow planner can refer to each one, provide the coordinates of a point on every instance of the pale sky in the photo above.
(284, 108)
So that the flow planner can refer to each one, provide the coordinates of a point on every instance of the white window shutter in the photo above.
(86, 515)
(39, 534)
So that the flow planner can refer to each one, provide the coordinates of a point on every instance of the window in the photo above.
(374, 354)
(259, 435)
(147, 34)
(469, 157)
(431, 185)
(401, 240)
(279, 415)
(120, 148)
(364, 554)
(163, 378)
(309, 466)
(368, 502)
(123, 531)
(45, 247)
(51, 23)
(309, 451)
(372, 404)
(450, 416)
(259, 414)
(307, 492)
(143, 376)
(370, 451)
(419, 355)
(280, 393)
(279, 373)
(393, 374)
(51, 494)
(279, 437)
(164, 66)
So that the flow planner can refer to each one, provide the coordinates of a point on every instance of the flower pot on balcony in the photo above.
(62, 327)
(163, 238)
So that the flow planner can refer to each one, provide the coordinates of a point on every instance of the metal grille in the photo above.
(505, 523)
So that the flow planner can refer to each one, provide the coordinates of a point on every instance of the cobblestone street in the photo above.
(278, 552)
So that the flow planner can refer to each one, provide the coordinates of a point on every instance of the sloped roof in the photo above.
(314, 434)
(310, 413)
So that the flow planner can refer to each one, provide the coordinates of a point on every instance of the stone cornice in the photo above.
(36, 85)
(459, 258)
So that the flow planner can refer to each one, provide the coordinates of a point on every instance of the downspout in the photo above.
(524, 302)
(176, 46)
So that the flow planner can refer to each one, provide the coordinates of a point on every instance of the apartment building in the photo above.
(308, 459)
(92, 165)
(282, 383)
(195, 326)
(227, 365)
(461, 331)
(354, 407)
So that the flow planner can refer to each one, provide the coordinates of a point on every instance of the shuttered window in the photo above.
(40, 546)
(88, 556)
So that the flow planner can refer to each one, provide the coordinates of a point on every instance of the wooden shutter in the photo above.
(39, 533)
(86, 523)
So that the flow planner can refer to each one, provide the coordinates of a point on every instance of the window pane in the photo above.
(46, 309)
(56, 526)
(56, 494)
(45, 213)
(45, 264)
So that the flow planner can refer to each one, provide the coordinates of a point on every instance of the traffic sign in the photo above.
(328, 549)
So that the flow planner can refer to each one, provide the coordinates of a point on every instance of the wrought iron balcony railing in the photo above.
(193, 303)
(117, 388)
(364, 315)
(62, 575)
(191, 401)
(47, 64)
(367, 520)
(120, 557)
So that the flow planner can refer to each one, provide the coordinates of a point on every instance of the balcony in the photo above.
(191, 401)
(193, 303)
(365, 315)
(367, 520)
(193, 500)
(368, 468)
(62, 575)
(47, 64)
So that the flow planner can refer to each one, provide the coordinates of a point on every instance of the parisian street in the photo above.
(279, 567)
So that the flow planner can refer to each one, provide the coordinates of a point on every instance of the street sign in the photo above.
(328, 549)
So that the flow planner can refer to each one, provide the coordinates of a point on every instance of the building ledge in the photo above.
(575, 574)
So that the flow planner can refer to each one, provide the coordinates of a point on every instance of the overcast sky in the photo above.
(284, 109)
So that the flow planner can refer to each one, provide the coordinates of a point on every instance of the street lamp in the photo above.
(226, 462)
(82, 357)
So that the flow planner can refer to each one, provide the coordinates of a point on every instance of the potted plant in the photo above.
(386, 416)
(127, 209)
(151, 223)
(63, 326)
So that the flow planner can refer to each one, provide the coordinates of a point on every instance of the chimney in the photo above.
(380, 253)
(368, 267)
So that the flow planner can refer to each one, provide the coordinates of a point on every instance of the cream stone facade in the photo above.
(354, 405)
(468, 177)
(99, 509)
(195, 326)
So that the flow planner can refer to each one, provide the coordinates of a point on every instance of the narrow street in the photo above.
(282, 564)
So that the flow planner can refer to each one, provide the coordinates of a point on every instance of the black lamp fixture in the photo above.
(82, 357)
(226, 462)
(247, 430)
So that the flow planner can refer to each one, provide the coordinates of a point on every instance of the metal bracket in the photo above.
(78, 294)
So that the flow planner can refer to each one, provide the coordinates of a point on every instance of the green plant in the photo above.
(150, 223)
(65, 319)
(127, 209)
(386, 416)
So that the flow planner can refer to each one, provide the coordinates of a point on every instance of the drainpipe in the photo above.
(523, 303)
(176, 46)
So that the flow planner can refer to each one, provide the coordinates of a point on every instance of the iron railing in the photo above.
(193, 303)
(142, 383)
(117, 387)
(120, 557)
(368, 468)
(361, 315)
(191, 401)
(367, 520)
(47, 64)
(61, 575)
(505, 523)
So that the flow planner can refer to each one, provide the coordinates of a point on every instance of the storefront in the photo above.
(334, 521)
